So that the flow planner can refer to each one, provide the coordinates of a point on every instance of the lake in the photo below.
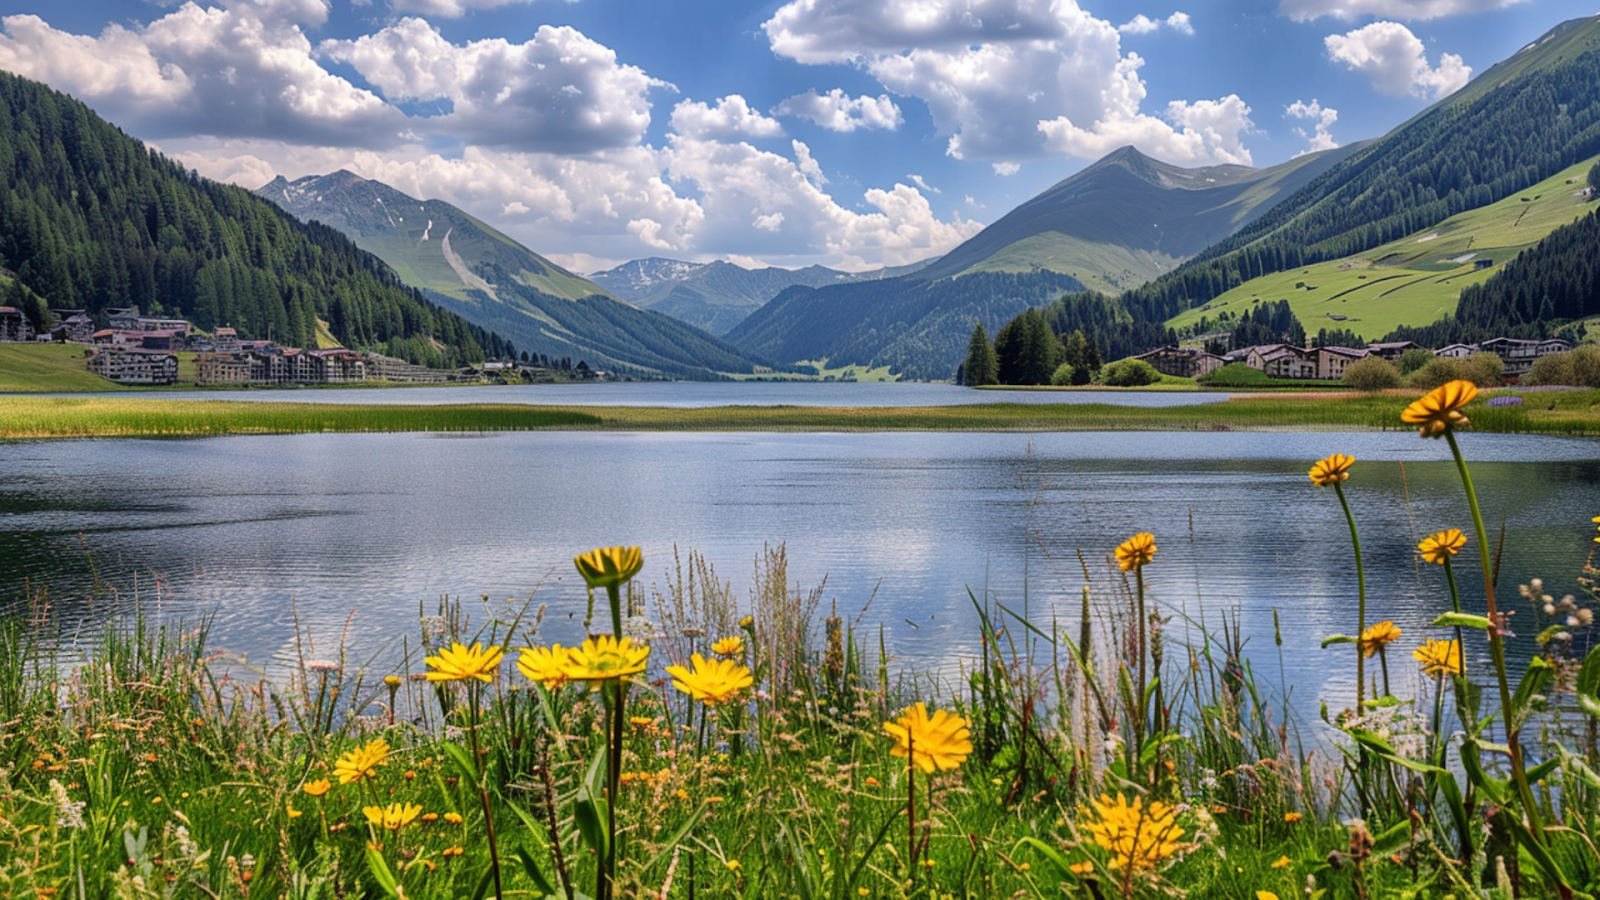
(368, 529)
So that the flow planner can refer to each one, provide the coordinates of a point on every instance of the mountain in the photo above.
(92, 219)
(1520, 122)
(718, 295)
(1128, 218)
(488, 278)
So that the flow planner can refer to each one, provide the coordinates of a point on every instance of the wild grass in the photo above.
(24, 418)
(48, 367)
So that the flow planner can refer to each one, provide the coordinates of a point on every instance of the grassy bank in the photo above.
(48, 368)
(1554, 412)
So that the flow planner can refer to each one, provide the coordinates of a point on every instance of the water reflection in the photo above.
(259, 530)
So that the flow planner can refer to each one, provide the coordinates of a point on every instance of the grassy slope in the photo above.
(1572, 412)
(48, 367)
(1415, 280)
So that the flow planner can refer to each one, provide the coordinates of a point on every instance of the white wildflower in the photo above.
(69, 812)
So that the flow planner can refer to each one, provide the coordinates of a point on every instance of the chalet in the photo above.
(1282, 360)
(72, 324)
(1457, 351)
(129, 320)
(162, 340)
(129, 366)
(1332, 361)
(226, 340)
(1183, 362)
(14, 325)
(1393, 350)
(1518, 354)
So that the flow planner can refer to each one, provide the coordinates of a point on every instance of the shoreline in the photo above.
(24, 418)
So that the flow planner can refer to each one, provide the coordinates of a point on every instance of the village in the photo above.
(1287, 361)
(143, 350)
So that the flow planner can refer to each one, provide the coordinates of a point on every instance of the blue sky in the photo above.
(852, 133)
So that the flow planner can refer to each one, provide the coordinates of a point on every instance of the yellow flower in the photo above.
(733, 865)
(604, 658)
(1281, 862)
(1081, 868)
(361, 762)
(1291, 817)
(1136, 552)
(452, 851)
(711, 681)
(1439, 658)
(393, 817)
(1332, 470)
(393, 681)
(1137, 837)
(932, 742)
(1441, 545)
(460, 663)
(609, 566)
(1268, 895)
(453, 818)
(1440, 409)
(748, 623)
(546, 665)
(316, 788)
(1596, 521)
(293, 813)
(1378, 635)
(728, 646)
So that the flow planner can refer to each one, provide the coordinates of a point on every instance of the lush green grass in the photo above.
(28, 368)
(1575, 412)
(1417, 279)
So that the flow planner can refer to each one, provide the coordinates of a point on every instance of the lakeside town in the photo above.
(136, 349)
(1287, 361)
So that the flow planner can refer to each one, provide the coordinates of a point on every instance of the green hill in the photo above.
(1416, 279)
(475, 271)
(92, 219)
(1521, 122)
(1128, 218)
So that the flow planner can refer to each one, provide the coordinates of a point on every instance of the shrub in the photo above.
(1371, 373)
(1129, 373)
(1486, 370)
(1062, 376)
(1482, 369)
(1414, 359)
(1579, 368)
(1235, 375)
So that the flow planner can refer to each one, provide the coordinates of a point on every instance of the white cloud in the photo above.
(731, 117)
(836, 111)
(1203, 132)
(558, 92)
(923, 185)
(1006, 169)
(1321, 119)
(1143, 24)
(1411, 10)
(770, 222)
(1394, 60)
(242, 71)
(995, 73)
(448, 9)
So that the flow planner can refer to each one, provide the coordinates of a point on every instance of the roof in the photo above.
(1346, 351)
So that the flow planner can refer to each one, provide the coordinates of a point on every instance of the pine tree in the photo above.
(981, 367)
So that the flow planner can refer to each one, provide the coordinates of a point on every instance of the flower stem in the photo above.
(1361, 599)
(1455, 604)
(1497, 648)
(483, 791)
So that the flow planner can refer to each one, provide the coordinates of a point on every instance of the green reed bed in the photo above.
(1574, 412)
(757, 744)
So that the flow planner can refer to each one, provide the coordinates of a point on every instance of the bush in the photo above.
(1482, 369)
(1372, 373)
(1578, 368)
(1414, 359)
(1129, 373)
(1062, 376)
(1235, 375)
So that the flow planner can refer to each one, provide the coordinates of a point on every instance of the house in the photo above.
(226, 340)
(14, 325)
(1183, 362)
(128, 319)
(78, 325)
(1457, 351)
(1332, 361)
(130, 366)
(1279, 360)
(1518, 354)
(162, 340)
(1393, 350)
(339, 366)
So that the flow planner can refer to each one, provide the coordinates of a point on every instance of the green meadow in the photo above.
(1417, 279)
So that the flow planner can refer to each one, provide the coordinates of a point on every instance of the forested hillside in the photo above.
(90, 218)
(1455, 157)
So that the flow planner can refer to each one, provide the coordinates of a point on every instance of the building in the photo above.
(1182, 362)
(1518, 354)
(226, 340)
(1457, 351)
(339, 366)
(72, 324)
(222, 368)
(1393, 350)
(128, 319)
(134, 366)
(388, 368)
(1278, 360)
(14, 325)
(1332, 361)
